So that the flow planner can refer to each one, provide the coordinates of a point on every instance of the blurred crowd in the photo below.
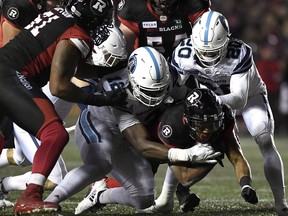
(263, 24)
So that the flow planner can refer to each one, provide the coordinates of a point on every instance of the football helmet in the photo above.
(210, 37)
(164, 7)
(149, 75)
(95, 16)
(112, 50)
(203, 114)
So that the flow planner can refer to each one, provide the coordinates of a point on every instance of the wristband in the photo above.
(175, 155)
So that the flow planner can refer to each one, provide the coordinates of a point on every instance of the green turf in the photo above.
(219, 191)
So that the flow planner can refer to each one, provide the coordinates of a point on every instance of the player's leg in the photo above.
(27, 104)
(133, 171)
(95, 158)
(259, 121)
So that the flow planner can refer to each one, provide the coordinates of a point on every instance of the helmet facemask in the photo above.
(149, 96)
(112, 50)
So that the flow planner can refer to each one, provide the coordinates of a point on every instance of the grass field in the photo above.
(219, 191)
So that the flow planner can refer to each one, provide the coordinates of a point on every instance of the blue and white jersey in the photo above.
(134, 112)
(239, 60)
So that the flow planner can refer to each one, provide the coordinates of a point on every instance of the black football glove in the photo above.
(249, 194)
(113, 98)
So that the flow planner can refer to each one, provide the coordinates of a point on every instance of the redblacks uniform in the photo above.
(174, 133)
(18, 14)
(25, 67)
(161, 32)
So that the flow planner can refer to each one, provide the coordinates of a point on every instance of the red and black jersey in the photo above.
(32, 50)
(161, 32)
(173, 131)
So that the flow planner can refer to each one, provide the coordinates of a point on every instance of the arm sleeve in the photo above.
(239, 87)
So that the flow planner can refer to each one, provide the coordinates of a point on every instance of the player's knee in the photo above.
(142, 202)
(56, 132)
(265, 141)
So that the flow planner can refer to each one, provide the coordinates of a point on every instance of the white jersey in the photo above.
(224, 78)
(122, 117)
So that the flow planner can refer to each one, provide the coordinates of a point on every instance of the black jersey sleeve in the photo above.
(19, 12)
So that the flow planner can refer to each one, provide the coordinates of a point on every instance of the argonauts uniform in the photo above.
(104, 148)
(160, 32)
(238, 62)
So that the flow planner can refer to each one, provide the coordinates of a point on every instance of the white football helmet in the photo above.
(149, 75)
(112, 50)
(210, 37)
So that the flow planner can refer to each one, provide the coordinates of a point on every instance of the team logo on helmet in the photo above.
(99, 7)
(194, 98)
(166, 131)
(132, 63)
(13, 13)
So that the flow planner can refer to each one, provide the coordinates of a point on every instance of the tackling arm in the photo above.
(62, 71)
(138, 136)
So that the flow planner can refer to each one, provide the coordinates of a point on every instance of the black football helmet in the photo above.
(204, 114)
(95, 16)
(164, 7)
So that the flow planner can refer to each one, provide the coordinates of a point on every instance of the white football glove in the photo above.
(200, 153)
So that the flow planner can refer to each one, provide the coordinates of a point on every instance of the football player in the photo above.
(158, 23)
(114, 139)
(161, 24)
(200, 119)
(15, 15)
(52, 47)
(226, 66)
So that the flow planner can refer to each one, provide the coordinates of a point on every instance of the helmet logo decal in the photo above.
(132, 63)
(166, 131)
(13, 13)
(194, 97)
(99, 5)
(157, 70)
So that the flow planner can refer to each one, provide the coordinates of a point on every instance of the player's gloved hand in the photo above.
(200, 153)
(203, 153)
(113, 98)
(249, 194)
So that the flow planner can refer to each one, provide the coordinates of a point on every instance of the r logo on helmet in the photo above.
(194, 97)
(99, 7)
